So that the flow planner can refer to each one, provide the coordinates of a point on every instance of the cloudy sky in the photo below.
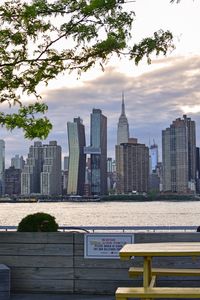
(155, 94)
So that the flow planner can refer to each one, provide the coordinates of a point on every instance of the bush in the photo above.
(38, 222)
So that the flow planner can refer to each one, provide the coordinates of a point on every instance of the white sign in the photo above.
(97, 245)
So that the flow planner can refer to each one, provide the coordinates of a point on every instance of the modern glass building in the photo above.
(98, 152)
(77, 158)
(153, 151)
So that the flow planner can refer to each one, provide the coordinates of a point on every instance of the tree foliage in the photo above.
(41, 39)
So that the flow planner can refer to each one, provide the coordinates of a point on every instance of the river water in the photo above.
(107, 213)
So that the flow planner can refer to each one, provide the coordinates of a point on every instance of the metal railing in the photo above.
(116, 228)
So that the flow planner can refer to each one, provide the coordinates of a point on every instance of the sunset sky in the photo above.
(155, 94)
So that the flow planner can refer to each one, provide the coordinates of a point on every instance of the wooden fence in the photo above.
(54, 262)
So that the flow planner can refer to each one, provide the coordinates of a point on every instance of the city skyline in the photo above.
(154, 95)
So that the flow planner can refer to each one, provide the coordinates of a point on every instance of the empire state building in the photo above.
(123, 127)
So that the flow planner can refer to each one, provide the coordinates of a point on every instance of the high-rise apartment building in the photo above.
(42, 170)
(30, 177)
(123, 126)
(153, 152)
(98, 152)
(77, 158)
(2, 166)
(132, 167)
(51, 175)
(13, 181)
(17, 162)
(179, 156)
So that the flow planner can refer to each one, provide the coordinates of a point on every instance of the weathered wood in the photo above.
(101, 274)
(29, 285)
(134, 271)
(50, 262)
(36, 237)
(169, 293)
(42, 273)
(156, 237)
(38, 261)
(81, 262)
(4, 295)
(100, 286)
(36, 249)
(4, 282)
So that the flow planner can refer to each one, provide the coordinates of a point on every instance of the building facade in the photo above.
(13, 181)
(123, 126)
(17, 162)
(132, 168)
(77, 157)
(153, 152)
(30, 177)
(42, 171)
(2, 167)
(51, 175)
(179, 156)
(98, 152)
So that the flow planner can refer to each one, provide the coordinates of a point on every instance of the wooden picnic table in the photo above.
(150, 250)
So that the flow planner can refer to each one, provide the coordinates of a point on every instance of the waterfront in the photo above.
(107, 213)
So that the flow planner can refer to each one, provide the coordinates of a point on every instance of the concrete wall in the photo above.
(54, 262)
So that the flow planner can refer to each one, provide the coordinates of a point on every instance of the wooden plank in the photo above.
(38, 261)
(100, 286)
(4, 278)
(36, 249)
(134, 271)
(101, 274)
(42, 273)
(161, 249)
(51, 286)
(81, 262)
(158, 237)
(4, 295)
(36, 237)
(153, 281)
(163, 292)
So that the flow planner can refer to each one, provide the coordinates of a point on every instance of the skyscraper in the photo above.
(17, 162)
(123, 127)
(179, 156)
(153, 157)
(30, 177)
(2, 166)
(13, 181)
(98, 152)
(42, 170)
(51, 176)
(132, 167)
(77, 158)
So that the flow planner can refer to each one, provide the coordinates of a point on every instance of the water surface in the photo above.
(107, 213)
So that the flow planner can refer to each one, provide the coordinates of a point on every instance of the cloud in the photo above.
(153, 100)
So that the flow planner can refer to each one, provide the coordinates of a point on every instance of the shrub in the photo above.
(38, 222)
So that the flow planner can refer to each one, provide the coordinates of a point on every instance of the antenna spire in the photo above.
(123, 105)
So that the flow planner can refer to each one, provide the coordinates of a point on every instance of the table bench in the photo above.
(124, 293)
(148, 251)
(136, 271)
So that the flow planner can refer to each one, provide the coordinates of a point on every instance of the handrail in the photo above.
(114, 228)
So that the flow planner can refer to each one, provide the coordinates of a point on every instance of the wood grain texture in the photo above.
(53, 286)
(38, 261)
(35, 237)
(36, 249)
